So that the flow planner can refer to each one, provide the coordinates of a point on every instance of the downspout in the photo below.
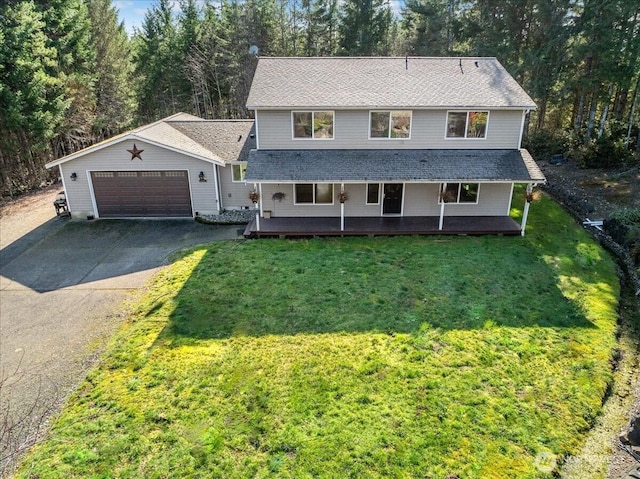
(341, 208)
(527, 205)
(216, 179)
(524, 115)
(441, 223)
(256, 128)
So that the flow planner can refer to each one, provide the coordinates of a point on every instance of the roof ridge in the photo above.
(155, 123)
(381, 58)
(168, 124)
(211, 120)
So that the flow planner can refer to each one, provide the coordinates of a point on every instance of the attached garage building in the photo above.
(181, 166)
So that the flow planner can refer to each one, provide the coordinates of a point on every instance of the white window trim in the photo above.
(295, 195)
(459, 183)
(313, 138)
(446, 125)
(245, 171)
(376, 138)
(366, 193)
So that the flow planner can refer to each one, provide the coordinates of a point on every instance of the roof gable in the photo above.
(390, 82)
(215, 141)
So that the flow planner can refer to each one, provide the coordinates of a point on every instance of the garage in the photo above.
(142, 193)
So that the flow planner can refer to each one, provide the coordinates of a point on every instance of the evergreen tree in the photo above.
(31, 98)
(158, 65)
(68, 30)
(430, 26)
(114, 70)
(364, 27)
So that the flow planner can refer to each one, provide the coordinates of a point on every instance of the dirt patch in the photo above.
(599, 191)
(21, 215)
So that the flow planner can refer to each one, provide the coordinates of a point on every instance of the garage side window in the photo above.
(238, 172)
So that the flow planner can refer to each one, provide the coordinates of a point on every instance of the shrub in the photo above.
(542, 144)
(604, 152)
(624, 227)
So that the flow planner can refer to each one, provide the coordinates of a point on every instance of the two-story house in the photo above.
(387, 145)
(338, 146)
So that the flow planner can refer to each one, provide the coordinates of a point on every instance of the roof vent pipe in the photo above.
(461, 70)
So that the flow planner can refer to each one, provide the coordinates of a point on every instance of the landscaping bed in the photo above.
(483, 357)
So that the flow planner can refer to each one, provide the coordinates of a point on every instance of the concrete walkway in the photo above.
(62, 287)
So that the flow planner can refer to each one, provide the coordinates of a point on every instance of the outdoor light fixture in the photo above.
(74, 176)
(202, 177)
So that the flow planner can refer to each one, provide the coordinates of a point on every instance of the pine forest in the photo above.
(71, 76)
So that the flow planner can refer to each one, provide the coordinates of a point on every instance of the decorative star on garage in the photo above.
(135, 153)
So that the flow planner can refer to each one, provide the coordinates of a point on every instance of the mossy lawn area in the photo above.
(355, 357)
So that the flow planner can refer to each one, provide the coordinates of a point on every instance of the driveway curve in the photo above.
(63, 285)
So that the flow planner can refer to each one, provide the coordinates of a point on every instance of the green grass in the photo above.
(356, 357)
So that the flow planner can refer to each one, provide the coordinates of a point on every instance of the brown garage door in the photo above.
(141, 193)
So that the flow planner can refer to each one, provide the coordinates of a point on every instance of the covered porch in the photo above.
(379, 226)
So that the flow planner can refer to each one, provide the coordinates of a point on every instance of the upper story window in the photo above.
(390, 124)
(467, 124)
(313, 125)
(238, 171)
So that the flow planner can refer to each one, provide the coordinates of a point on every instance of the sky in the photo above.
(132, 11)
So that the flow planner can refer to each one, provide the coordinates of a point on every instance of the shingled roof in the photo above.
(229, 140)
(218, 141)
(357, 166)
(390, 82)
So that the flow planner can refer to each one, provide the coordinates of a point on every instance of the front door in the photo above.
(392, 199)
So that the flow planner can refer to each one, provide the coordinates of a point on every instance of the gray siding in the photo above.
(493, 200)
(420, 199)
(234, 195)
(351, 130)
(116, 158)
(286, 206)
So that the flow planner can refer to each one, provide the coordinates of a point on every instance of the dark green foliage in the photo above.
(364, 27)
(624, 227)
(430, 26)
(115, 102)
(603, 152)
(68, 76)
(543, 144)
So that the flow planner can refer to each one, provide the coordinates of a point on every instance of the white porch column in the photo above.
(527, 205)
(257, 206)
(342, 209)
(441, 223)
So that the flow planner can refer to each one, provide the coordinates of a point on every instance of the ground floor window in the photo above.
(460, 193)
(238, 171)
(313, 193)
(373, 193)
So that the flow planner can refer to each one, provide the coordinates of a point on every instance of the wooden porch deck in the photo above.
(382, 226)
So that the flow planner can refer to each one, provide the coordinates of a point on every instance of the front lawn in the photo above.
(430, 357)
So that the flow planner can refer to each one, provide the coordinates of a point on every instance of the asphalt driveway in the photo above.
(63, 287)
